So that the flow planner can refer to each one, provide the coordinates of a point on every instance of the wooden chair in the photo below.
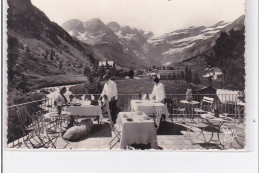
(206, 105)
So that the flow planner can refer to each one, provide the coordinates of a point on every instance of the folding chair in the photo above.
(158, 118)
(197, 128)
(169, 104)
(206, 105)
(230, 135)
(35, 132)
(114, 130)
(179, 110)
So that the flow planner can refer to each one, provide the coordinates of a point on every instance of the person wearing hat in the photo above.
(110, 90)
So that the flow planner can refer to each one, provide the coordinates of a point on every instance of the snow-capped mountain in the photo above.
(186, 43)
(128, 46)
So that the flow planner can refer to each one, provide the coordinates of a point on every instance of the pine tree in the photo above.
(196, 79)
(131, 73)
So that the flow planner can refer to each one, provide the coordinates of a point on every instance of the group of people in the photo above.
(109, 96)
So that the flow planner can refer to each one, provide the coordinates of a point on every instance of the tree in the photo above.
(196, 79)
(182, 75)
(190, 76)
(228, 55)
(131, 73)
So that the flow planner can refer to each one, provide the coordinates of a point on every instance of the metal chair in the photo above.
(34, 130)
(206, 105)
(115, 130)
(230, 135)
(195, 128)
(179, 110)
(158, 118)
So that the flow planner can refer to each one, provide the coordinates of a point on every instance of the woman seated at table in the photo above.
(158, 90)
(60, 101)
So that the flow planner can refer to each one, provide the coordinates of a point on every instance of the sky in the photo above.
(158, 16)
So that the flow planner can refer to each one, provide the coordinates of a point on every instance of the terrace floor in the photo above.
(170, 136)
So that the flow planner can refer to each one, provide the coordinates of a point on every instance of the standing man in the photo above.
(110, 90)
(158, 90)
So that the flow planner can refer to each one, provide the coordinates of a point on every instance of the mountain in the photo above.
(186, 43)
(127, 46)
(40, 52)
(229, 43)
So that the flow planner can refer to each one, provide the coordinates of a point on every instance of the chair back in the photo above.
(38, 123)
(158, 117)
(35, 120)
(23, 117)
(169, 103)
(207, 103)
(110, 120)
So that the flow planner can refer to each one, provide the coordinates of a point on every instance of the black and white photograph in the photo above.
(125, 75)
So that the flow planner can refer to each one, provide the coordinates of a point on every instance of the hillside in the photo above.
(40, 52)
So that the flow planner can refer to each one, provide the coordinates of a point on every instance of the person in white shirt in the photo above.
(158, 90)
(110, 90)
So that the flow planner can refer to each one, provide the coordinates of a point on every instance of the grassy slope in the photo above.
(134, 86)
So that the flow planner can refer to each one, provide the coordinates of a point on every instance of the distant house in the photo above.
(170, 74)
(214, 73)
(106, 64)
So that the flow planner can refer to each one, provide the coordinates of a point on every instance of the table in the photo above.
(148, 106)
(56, 121)
(215, 122)
(139, 131)
(192, 103)
(86, 111)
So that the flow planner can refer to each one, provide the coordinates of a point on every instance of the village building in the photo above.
(106, 64)
(215, 73)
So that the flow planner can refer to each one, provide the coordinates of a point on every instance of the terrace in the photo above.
(177, 132)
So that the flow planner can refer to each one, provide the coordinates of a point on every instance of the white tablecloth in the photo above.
(138, 131)
(148, 106)
(86, 110)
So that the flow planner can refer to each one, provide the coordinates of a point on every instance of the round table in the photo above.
(56, 120)
(192, 103)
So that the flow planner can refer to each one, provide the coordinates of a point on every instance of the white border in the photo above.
(169, 161)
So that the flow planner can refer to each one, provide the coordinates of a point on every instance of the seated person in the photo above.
(60, 101)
